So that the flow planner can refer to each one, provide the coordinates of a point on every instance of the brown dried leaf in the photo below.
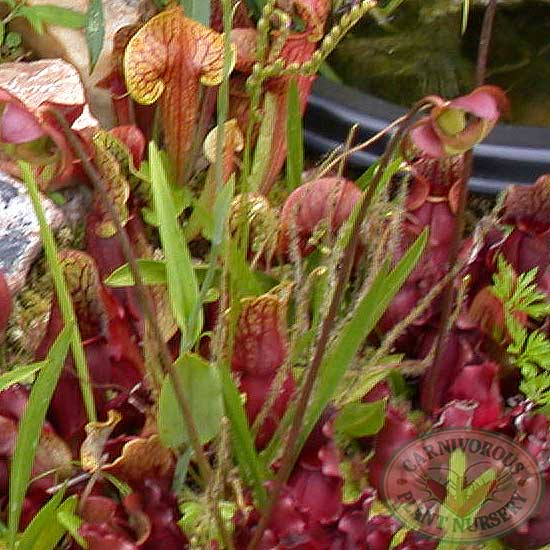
(97, 434)
(142, 458)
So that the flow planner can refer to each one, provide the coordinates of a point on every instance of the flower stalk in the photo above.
(448, 296)
(143, 295)
(290, 450)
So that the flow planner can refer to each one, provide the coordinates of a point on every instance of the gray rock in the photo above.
(78, 201)
(20, 242)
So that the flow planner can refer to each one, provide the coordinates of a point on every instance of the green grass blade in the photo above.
(252, 468)
(153, 272)
(368, 312)
(30, 428)
(67, 518)
(183, 288)
(295, 138)
(393, 167)
(62, 17)
(198, 10)
(41, 523)
(95, 31)
(328, 72)
(61, 290)
(19, 374)
(363, 181)
(262, 152)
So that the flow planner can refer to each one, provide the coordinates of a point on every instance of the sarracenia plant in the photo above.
(229, 339)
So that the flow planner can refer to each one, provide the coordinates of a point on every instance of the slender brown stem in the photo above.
(142, 293)
(448, 297)
(146, 306)
(485, 41)
(347, 153)
(289, 453)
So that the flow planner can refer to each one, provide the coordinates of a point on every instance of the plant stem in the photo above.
(223, 109)
(359, 147)
(448, 297)
(485, 41)
(62, 292)
(142, 293)
(289, 454)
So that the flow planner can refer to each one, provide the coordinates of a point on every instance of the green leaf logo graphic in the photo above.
(463, 502)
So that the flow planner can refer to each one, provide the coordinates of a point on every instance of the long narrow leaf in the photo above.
(61, 290)
(262, 154)
(19, 374)
(153, 272)
(41, 523)
(252, 467)
(183, 287)
(295, 138)
(95, 31)
(368, 313)
(30, 428)
(67, 518)
(62, 17)
(340, 355)
(198, 10)
(51, 537)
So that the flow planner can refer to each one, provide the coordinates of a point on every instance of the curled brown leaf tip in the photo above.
(97, 434)
(142, 458)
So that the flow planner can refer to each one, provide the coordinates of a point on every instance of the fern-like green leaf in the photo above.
(529, 350)
(519, 293)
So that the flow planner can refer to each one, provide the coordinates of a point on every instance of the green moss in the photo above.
(421, 51)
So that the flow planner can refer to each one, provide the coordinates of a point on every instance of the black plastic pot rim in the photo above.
(510, 155)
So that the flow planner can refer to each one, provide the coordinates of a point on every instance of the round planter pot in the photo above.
(511, 154)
